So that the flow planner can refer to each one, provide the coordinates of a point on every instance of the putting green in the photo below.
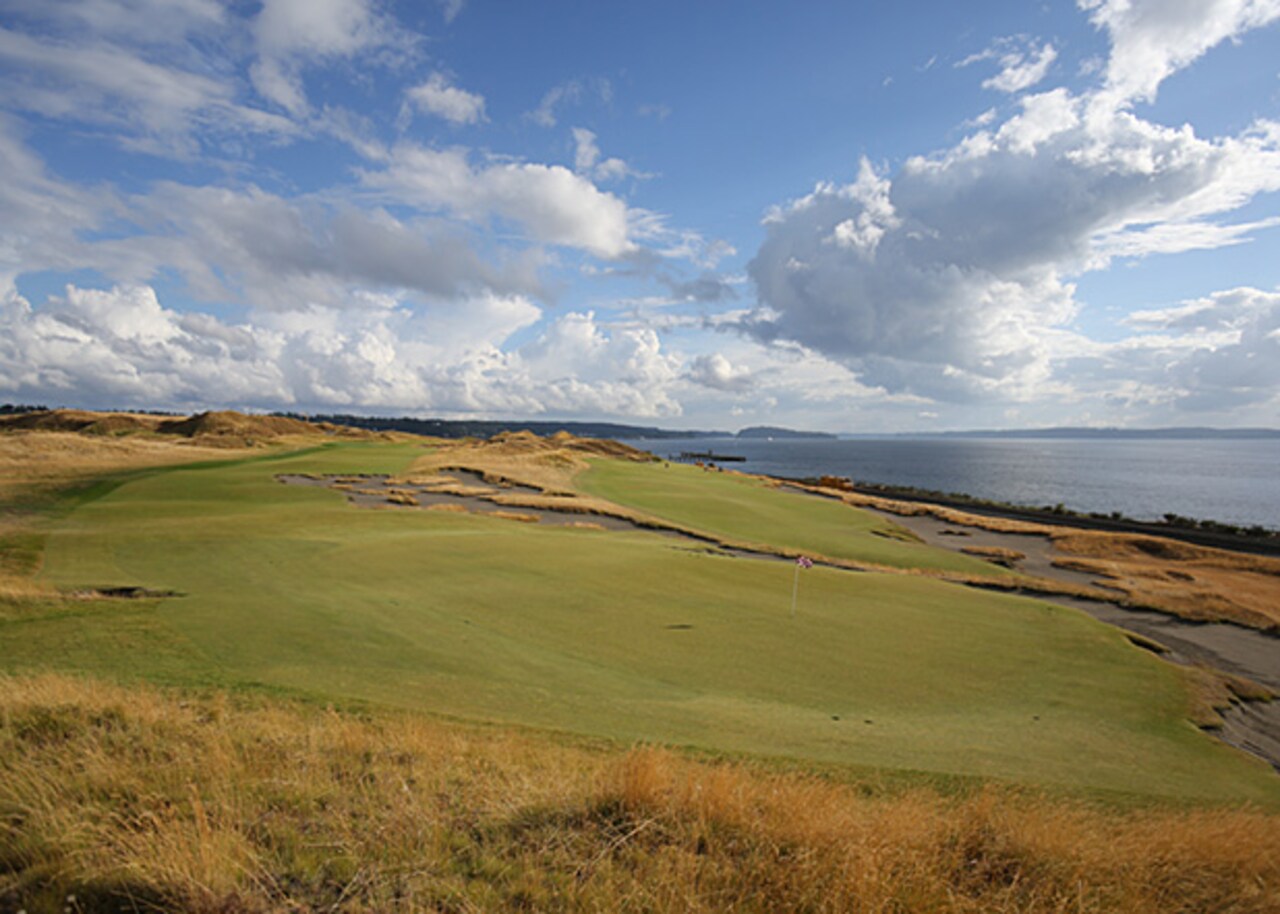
(632, 636)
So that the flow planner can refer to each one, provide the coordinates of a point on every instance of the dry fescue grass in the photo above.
(1195, 582)
(518, 516)
(547, 464)
(216, 430)
(450, 509)
(442, 485)
(461, 490)
(1212, 691)
(917, 509)
(998, 554)
(125, 796)
(41, 462)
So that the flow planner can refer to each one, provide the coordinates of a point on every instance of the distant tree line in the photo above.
(485, 428)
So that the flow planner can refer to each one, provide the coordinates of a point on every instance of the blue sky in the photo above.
(854, 217)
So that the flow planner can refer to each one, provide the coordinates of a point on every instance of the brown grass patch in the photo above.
(132, 797)
(450, 509)
(1009, 558)
(547, 464)
(565, 504)
(461, 490)
(1196, 582)
(222, 429)
(515, 516)
(950, 515)
(402, 498)
(1213, 691)
(34, 462)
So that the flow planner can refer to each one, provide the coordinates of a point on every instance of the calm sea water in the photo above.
(1231, 481)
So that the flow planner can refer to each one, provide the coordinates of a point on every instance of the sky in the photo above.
(853, 217)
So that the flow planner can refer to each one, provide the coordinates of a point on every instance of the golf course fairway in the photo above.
(744, 508)
(631, 636)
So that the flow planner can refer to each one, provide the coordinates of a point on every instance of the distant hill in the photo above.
(220, 429)
(487, 428)
(772, 431)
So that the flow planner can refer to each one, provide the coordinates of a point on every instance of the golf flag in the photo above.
(801, 562)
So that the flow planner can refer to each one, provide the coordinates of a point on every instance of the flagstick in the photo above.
(795, 588)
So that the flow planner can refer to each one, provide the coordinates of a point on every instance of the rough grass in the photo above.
(549, 464)
(34, 464)
(1009, 558)
(222, 429)
(1196, 582)
(130, 798)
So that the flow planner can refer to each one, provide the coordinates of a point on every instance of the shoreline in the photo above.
(1254, 545)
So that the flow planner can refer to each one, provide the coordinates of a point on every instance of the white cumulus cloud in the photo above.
(587, 159)
(293, 34)
(1022, 64)
(974, 247)
(440, 97)
(1151, 39)
(717, 372)
(551, 203)
(121, 347)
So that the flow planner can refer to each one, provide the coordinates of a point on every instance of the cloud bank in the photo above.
(952, 278)
(122, 347)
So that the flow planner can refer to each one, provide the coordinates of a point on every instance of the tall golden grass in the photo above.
(42, 461)
(128, 797)
(548, 464)
(1196, 582)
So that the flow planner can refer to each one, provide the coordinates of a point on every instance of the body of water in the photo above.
(1233, 481)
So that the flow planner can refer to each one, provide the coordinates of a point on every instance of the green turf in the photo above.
(632, 636)
(746, 509)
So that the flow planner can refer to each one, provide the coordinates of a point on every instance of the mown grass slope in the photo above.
(746, 509)
(626, 636)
